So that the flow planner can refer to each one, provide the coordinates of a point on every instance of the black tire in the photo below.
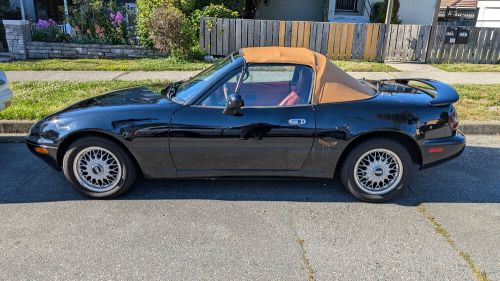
(347, 173)
(124, 161)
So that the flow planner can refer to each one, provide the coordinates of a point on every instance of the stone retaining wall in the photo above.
(44, 50)
(21, 47)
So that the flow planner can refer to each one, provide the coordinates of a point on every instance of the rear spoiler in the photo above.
(443, 93)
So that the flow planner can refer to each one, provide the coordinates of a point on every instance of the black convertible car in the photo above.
(262, 112)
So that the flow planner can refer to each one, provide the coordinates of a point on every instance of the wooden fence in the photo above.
(349, 41)
(483, 46)
(408, 42)
(342, 41)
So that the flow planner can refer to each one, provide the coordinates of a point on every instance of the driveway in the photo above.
(252, 229)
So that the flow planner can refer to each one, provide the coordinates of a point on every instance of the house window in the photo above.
(346, 5)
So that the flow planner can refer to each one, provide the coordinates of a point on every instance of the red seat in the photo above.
(291, 99)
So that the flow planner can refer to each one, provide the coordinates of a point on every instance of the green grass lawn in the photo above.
(35, 99)
(364, 66)
(105, 64)
(468, 67)
(151, 65)
(478, 102)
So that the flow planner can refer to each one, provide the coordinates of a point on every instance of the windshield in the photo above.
(192, 86)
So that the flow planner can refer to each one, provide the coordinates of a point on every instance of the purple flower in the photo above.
(44, 24)
(116, 18)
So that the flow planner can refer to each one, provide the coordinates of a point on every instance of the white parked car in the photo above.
(5, 92)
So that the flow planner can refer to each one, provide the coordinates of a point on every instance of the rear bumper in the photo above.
(437, 151)
(50, 157)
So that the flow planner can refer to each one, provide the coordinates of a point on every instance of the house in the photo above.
(479, 13)
(458, 12)
(410, 11)
(52, 9)
(489, 13)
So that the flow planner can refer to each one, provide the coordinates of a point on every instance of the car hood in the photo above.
(129, 99)
(125, 97)
(121, 112)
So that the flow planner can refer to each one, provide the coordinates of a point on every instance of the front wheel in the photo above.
(377, 170)
(99, 168)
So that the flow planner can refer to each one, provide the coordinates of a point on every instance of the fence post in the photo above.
(430, 43)
(388, 18)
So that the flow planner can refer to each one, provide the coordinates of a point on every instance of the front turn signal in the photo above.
(42, 150)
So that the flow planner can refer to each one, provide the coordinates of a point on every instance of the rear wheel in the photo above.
(377, 170)
(99, 168)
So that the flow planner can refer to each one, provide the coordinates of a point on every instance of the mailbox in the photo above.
(463, 35)
(451, 35)
(457, 35)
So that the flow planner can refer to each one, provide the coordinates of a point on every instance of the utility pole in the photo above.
(388, 17)
(433, 31)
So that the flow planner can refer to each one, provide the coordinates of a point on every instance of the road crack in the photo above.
(307, 264)
(439, 228)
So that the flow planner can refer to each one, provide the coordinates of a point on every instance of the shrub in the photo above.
(192, 29)
(192, 9)
(167, 30)
(234, 5)
(48, 31)
(380, 9)
(213, 10)
(189, 6)
(145, 9)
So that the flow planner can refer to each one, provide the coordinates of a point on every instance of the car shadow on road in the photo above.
(472, 178)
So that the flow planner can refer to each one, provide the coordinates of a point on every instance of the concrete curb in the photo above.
(15, 130)
(15, 126)
(480, 127)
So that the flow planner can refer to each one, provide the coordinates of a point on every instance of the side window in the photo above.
(267, 85)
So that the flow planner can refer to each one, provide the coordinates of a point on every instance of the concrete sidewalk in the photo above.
(447, 77)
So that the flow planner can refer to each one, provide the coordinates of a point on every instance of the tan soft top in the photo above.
(331, 85)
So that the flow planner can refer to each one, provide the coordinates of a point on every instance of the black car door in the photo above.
(268, 135)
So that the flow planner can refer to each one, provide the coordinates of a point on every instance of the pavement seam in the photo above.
(307, 264)
(121, 75)
(441, 230)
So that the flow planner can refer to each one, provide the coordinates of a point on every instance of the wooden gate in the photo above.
(408, 42)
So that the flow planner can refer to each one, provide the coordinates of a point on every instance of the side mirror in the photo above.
(233, 104)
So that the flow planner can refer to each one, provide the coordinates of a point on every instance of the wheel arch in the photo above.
(69, 139)
(407, 141)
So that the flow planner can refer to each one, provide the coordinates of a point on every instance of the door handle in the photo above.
(297, 121)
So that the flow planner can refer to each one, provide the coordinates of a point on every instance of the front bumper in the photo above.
(5, 98)
(50, 157)
(437, 151)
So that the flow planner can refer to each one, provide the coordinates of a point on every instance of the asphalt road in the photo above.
(250, 229)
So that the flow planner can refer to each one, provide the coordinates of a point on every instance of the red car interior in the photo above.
(291, 99)
(263, 94)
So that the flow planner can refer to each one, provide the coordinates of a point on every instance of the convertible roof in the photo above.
(331, 85)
